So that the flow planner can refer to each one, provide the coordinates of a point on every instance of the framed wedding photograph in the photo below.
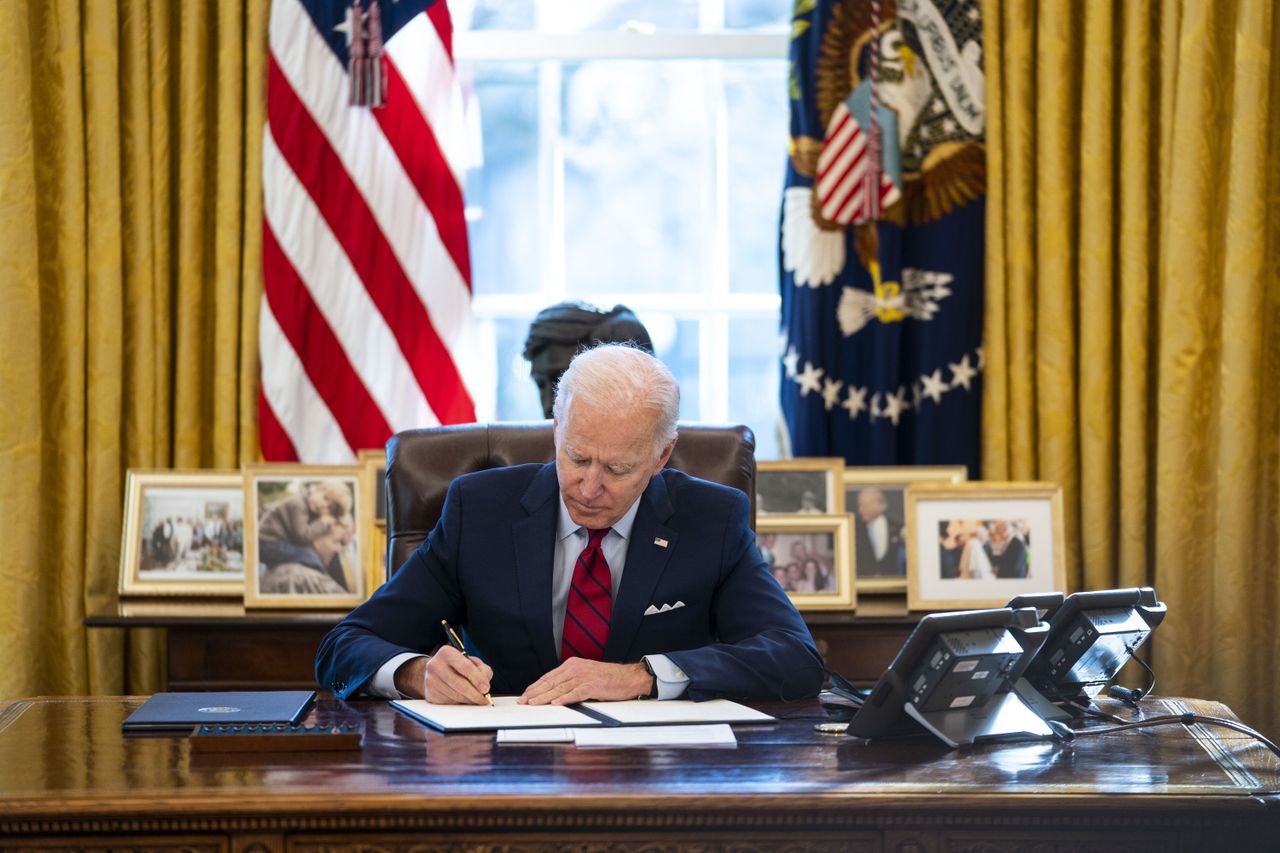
(374, 463)
(307, 536)
(875, 501)
(978, 545)
(808, 555)
(183, 533)
(809, 486)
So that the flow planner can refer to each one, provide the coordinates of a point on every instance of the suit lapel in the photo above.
(535, 549)
(646, 561)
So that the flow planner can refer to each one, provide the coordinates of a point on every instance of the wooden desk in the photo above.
(218, 645)
(70, 780)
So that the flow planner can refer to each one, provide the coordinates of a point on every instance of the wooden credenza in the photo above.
(218, 645)
(69, 780)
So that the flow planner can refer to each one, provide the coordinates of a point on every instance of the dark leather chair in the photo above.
(422, 462)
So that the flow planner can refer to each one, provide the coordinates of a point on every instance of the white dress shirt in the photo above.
(878, 533)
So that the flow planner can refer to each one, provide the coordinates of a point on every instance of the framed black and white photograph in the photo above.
(809, 558)
(306, 536)
(183, 534)
(980, 544)
(809, 486)
(874, 498)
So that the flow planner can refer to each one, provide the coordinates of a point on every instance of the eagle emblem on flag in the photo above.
(881, 235)
(932, 156)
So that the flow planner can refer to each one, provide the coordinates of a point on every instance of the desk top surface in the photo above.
(72, 751)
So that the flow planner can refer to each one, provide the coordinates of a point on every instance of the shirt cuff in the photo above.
(672, 682)
(383, 682)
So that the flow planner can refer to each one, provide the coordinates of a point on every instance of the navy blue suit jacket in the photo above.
(487, 565)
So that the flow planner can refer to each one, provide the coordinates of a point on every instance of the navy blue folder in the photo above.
(180, 712)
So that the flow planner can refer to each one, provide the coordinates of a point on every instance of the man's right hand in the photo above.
(447, 678)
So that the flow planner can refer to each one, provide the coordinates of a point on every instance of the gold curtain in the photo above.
(129, 196)
(1133, 322)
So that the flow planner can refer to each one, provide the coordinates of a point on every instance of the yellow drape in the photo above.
(129, 182)
(1133, 322)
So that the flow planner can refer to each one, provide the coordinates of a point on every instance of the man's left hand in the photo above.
(579, 679)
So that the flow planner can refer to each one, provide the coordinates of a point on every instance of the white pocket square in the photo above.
(653, 609)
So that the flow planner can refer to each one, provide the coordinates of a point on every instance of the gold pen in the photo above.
(456, 642)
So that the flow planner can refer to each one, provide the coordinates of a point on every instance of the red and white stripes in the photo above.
(847, 172)
(366, 322)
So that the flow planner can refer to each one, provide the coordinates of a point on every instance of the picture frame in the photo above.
(307, 536)
(880, 548)
(979, 544)
(807, 486)
(183, 534)
(792, 543)
(374, 463)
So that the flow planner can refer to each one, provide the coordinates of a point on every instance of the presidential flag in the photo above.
(366, 314)
(881, 246)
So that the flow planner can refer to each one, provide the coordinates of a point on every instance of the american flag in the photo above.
(366, 325)
(847, 170)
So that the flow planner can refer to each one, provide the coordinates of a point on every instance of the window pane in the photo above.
(637, 140)
(756, 94)
(517, 393)
(675, 342)
(753, 380)
(492, 14)
(757, 15)
(502, 195)
(573, 16)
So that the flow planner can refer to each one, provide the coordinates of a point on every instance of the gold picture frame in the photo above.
(305, 545)
(374, 462)
(183, 533)
(825, 542)
(980, 544)
(805, 486)
(888, 572)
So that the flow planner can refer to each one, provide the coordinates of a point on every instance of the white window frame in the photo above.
(714, 305)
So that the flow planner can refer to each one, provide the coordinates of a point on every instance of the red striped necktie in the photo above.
(586, 616)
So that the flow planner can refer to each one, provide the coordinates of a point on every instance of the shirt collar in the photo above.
(566, 526)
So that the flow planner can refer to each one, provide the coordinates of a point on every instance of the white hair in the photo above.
(615, 377)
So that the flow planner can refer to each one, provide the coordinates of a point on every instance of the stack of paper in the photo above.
(719, 734)
(505, 713)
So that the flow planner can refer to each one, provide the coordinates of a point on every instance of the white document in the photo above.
(639, 712)
(535, 735)
(713, 735)
(504, 713)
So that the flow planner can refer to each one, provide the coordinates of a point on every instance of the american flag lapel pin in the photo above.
(660, 542)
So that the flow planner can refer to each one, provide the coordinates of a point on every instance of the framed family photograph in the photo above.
(306, 536)
(875, 500)
(809, 486)
(374, 463)
(980, 544)
(809, 557)
(183, 534)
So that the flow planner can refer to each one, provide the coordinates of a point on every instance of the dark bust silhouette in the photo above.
(558, 333)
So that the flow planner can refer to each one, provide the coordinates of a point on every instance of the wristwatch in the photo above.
(653, 691)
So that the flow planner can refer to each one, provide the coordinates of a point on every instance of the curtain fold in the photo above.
(1132, 351)
(128, 172)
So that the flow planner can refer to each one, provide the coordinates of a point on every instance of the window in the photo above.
(633, 153)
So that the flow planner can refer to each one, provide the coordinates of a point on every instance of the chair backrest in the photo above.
(422, 462)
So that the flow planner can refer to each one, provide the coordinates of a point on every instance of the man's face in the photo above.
(604, 460)
(870, 505)
(546, 368)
